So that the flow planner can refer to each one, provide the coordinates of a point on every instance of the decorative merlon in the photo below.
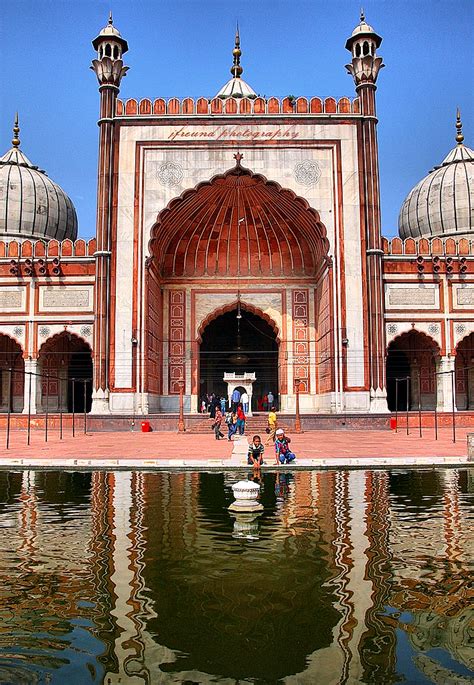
(242, 106)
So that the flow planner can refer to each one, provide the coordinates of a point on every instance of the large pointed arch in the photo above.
(238, 223)
(216, 313)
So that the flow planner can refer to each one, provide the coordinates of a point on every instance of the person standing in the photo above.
(272, 425)
(223, 405)
(235, 399)
(271, 399)
(244, 398)
(240, 420)
(217, 424)
(231, 421)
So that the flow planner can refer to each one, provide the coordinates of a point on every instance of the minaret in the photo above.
(364, 67)
(109, 69)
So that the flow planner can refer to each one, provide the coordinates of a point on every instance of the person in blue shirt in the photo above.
(283, 454)
(235, 399)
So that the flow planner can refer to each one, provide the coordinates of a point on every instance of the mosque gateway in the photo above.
(237, 235)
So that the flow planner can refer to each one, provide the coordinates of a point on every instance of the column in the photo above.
(31, 367)
(444, 384)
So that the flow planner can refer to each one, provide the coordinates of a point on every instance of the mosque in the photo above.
(238, 244)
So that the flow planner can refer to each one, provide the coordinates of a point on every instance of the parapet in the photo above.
(427, 246)
(53, 248)
(234, 106)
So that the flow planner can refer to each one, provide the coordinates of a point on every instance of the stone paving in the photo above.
(165, 450)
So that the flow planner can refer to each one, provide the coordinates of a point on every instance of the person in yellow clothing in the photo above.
(272, 425)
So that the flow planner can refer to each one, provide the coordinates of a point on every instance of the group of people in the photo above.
(266, 402)
(283, 453)
(234, 420)
(209, 402)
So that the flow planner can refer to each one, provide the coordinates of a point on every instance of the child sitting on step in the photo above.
(255, 453)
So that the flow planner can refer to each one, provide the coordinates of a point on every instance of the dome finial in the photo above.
(111, 19)
(362, 15)
(16, 131)
(459, 135)
(236, 69)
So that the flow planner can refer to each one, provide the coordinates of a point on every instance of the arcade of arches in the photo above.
(415, 374)
(60, 378)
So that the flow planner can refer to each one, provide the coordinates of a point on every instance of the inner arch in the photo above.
(221, 352)
(239, 224)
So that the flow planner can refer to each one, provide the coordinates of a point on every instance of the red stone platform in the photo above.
(312, 445)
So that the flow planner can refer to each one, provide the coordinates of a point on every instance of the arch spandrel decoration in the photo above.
(238, 224)
(230, 307)
(431, 330)
(428, 340)
(72, 337)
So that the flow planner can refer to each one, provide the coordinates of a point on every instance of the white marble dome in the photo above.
(442, 204)
(32, 206)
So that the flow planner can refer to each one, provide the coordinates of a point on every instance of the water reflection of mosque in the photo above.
(152, 566)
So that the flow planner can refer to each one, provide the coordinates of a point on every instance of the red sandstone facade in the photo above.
(215, 209)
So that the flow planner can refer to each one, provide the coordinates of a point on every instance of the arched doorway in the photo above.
(413, 355)
(65, 362)
(11, 357)
(398, 367)
(231, 344)
(465, 373)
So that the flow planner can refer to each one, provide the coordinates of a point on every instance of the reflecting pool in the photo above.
(137, 577)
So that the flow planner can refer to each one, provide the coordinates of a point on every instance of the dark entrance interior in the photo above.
(80, 368)
(254, 350)
(398, 366)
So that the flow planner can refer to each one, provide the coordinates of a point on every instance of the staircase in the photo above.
(254, 425)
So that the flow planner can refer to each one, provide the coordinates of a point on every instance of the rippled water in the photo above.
(133, 577)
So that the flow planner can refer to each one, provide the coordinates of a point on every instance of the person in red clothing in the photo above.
(216, 426)
(240, 420)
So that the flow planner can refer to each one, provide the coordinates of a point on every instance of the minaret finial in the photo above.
(111, 19)
(16, 131)
(362, 15)
(236, 69)
(459, 135)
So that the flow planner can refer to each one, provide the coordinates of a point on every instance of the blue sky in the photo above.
(184, 48)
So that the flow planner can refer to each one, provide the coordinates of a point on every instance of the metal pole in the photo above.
(29, 410)
(181, 426)
(60, 397)
(73, 406)
(9, 405)
(47, 409)
(396, 405)
(297, 413)
(419, 403)
(452, 404)
(85, 408)
(408, 398)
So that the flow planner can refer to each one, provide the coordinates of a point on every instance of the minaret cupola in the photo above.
(363, 44)
(110, 48)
